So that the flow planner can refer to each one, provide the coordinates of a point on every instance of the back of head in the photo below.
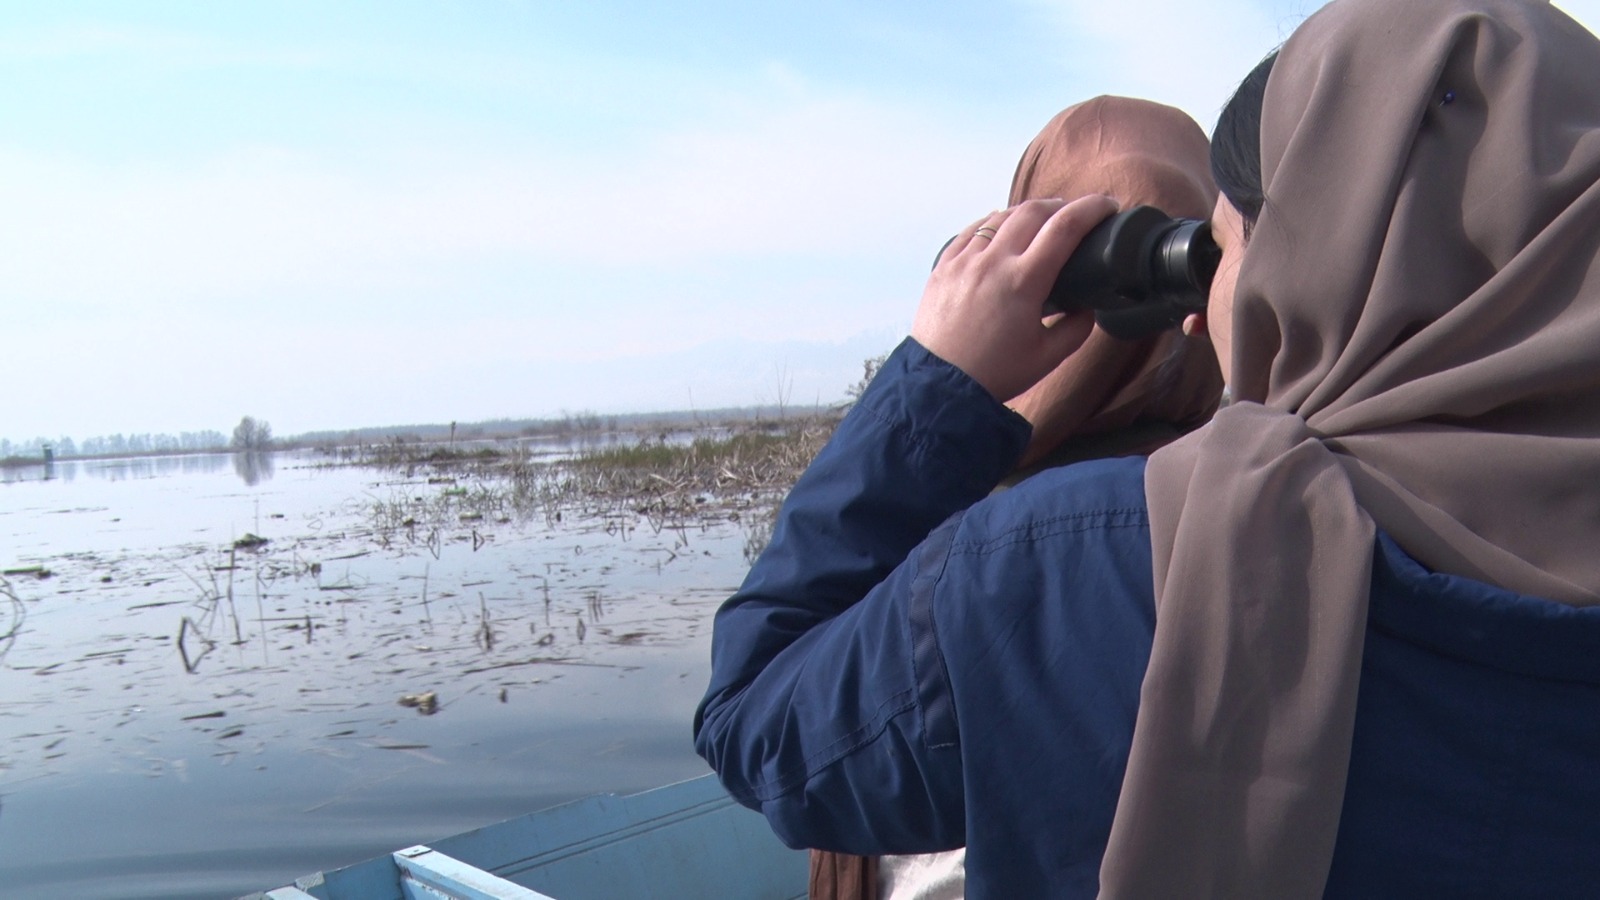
(1139, 152)
(1135, 150)
(1410, 154)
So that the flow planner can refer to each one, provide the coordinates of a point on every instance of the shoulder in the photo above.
(1482, 624)
(1102, 499)
(1080, 531)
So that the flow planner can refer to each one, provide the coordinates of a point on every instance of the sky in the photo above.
(339, 214)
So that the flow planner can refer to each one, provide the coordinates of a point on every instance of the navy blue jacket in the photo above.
(913, 665)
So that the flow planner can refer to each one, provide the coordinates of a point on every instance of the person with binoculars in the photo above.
(1340, 640)
(1131, 388)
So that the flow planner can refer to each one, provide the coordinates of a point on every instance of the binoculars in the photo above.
(1141, 271)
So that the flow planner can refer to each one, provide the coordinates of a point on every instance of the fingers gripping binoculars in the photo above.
(1141, 271)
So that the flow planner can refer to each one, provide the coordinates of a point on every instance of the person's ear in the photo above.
(1194, 325)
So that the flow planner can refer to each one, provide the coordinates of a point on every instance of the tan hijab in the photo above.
(1417, 334)
(1141, 153)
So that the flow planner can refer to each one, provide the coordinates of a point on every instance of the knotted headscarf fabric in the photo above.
(1416, 349)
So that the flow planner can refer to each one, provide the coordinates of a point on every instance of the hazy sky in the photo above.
(331, 214)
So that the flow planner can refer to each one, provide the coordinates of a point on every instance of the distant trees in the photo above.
(585, 422)
(251, 434)
(869, 370)
(118, 445)
(34, 449)
(201, 440)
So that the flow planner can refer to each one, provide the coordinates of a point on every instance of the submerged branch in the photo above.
(18, 612)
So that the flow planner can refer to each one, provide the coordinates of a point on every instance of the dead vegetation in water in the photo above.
(725, 474)
(15, 612)
(400, 454)
(658, 479)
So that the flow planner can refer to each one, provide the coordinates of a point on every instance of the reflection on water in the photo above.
(250, 693)
(253, 466)
(30, 472)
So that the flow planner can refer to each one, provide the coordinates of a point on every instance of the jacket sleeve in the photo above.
(815, 714)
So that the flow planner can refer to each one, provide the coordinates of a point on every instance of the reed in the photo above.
(17, 613)
(719, 475)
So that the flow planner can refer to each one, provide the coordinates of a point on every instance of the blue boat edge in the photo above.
(688, 839)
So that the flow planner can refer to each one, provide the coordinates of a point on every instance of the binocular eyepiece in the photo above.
(1141, 271)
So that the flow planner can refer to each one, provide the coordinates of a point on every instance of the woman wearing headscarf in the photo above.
(1341, 641)
(1111, 397)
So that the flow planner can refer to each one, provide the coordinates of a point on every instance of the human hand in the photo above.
(983, 308)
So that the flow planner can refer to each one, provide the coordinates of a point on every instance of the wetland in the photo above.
(219, 672)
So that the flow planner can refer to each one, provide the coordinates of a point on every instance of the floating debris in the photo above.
(192, 663)
(484, 637)
(426, 703)
(535, 661)
(155, 605)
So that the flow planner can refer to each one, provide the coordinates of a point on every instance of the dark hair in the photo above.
(1236, 143)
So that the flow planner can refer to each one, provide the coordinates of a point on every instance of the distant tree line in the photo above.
(250, 434)
(585, 422)
(256, 434)
(116, 445)
(566, 425)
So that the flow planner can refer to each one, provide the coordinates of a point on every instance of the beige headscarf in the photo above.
(1417, 342)
(1140, 153)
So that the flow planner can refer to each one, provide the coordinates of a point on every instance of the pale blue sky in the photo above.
(332, 214)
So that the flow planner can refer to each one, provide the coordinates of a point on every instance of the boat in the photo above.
(684, 840)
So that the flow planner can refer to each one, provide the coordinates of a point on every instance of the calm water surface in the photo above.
(180, 718)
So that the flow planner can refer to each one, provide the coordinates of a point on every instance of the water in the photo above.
(179, 718)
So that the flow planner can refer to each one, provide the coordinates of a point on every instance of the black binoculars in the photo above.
(1141, 271)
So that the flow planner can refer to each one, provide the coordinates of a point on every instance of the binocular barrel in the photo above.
(1141, 271)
